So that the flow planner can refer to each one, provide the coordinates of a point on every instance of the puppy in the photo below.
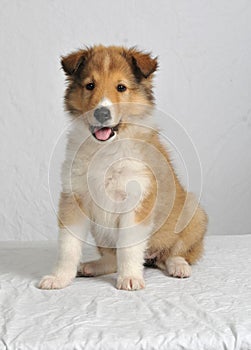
(117, 178)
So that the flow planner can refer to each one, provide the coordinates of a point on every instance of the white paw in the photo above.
(86, 269)
(178, 267)
(130, 283)
(53, 282)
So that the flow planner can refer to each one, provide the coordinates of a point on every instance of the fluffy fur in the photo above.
(122, 189)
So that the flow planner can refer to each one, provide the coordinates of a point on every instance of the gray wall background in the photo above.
(204, 81)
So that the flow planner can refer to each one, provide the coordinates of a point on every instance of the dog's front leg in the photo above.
(72, 231)
(131, 247)
(130, 267)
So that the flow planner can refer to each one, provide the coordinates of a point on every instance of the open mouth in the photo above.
(103, 133)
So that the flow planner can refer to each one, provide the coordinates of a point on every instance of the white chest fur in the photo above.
(111, 179)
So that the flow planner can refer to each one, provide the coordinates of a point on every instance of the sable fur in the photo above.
(170, 251)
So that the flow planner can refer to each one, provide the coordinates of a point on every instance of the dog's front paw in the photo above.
(54, 282)
(130, 283)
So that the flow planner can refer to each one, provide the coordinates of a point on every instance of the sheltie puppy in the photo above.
(117, 178)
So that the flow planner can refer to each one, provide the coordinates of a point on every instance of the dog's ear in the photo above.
(143, 65)
(73, 63)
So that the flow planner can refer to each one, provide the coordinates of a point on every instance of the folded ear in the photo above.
(142, 63)
(74, 62)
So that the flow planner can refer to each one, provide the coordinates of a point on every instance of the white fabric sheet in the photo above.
(209, 311)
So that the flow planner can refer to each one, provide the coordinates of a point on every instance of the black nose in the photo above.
(102, 114)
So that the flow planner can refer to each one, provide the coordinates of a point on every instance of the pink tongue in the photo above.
(103, 134)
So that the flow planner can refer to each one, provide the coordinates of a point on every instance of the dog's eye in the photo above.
(121, 88)
(90, 86)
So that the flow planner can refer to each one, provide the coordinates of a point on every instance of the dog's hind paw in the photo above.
(178, 267)
(86, 270)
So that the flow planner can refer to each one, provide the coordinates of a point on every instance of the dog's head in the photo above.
(108, 86)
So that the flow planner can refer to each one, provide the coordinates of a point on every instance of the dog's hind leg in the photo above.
(188, 248)
(103, 266)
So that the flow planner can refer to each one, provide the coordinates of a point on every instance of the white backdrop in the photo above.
(204, 81)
